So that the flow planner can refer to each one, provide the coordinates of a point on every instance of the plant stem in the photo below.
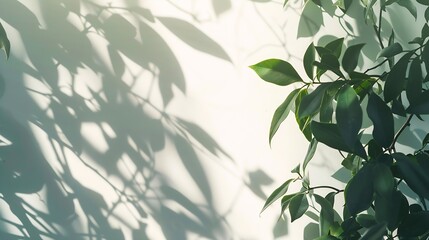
(376, 66)
(395, 139)
(330, 187)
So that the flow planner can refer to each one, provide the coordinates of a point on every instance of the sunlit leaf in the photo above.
(278, 193)
(277, 71)
(282, 112)
(359, 191)
(348, 115)
(382, 118)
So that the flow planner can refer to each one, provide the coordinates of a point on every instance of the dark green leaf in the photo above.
(413, 174)
(409, 5)
(383, 180)
(278, 193)
(4, 41)
(423, 2)
(376, 232)
(351, 57)
(329, 134)
(390, 50)
(277, 71)
(425, 140)
(364, 87)
(311, 103)
(425, 31)
(398, 108)
(348, 115)
(359, 191)
(327, 214)
(414, 225)
(382, 118)
(366, 220)
(298, 206)
(415, 81)
(425, 56)
(310, 153)
(327, 107)
(309, 58)
(427, 14)
(286, 200)
(303, 123)
(374, 149)
(395, 81)
(388, 209)
(420, 104)
(335, 47)
(328, 62)
(282, 112)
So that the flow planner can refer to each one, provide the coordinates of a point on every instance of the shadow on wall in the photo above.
(85, 80)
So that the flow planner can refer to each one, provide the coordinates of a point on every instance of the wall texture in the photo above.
(139, 119)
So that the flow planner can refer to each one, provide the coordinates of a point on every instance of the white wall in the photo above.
(141, 120)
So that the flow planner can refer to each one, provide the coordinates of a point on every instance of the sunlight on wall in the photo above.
(150, 123)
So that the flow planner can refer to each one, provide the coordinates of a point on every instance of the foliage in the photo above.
(330, 106)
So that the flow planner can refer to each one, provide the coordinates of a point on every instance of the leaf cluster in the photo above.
(329, 105)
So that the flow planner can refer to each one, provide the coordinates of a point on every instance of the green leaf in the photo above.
(382, 118)
(398, 107)
(326, 218)
(348, 115)
(303, 123)
(4, 41)
(384, 182)
(414, 225)
(311, 103)
(409, 5)
(366, 220)
(425, 140)
(351, 57)
(359, 191)
(427, 14)
(310, 153)
(328, 62)
(286, 200)
(329, 134)
(284, 4)
(374, 149)
(282, 112)
(309, 58)
(425, 31)
(335, 47)
(420, 104)
(364, 87)
(278, 193)
(277, 71)
(413, 174)
(298, 206)
(395, 81)
(376, 232)
(415, 81)
(390, 50)
(388, 209)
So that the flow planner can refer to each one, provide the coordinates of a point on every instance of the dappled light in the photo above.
(90, 148)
